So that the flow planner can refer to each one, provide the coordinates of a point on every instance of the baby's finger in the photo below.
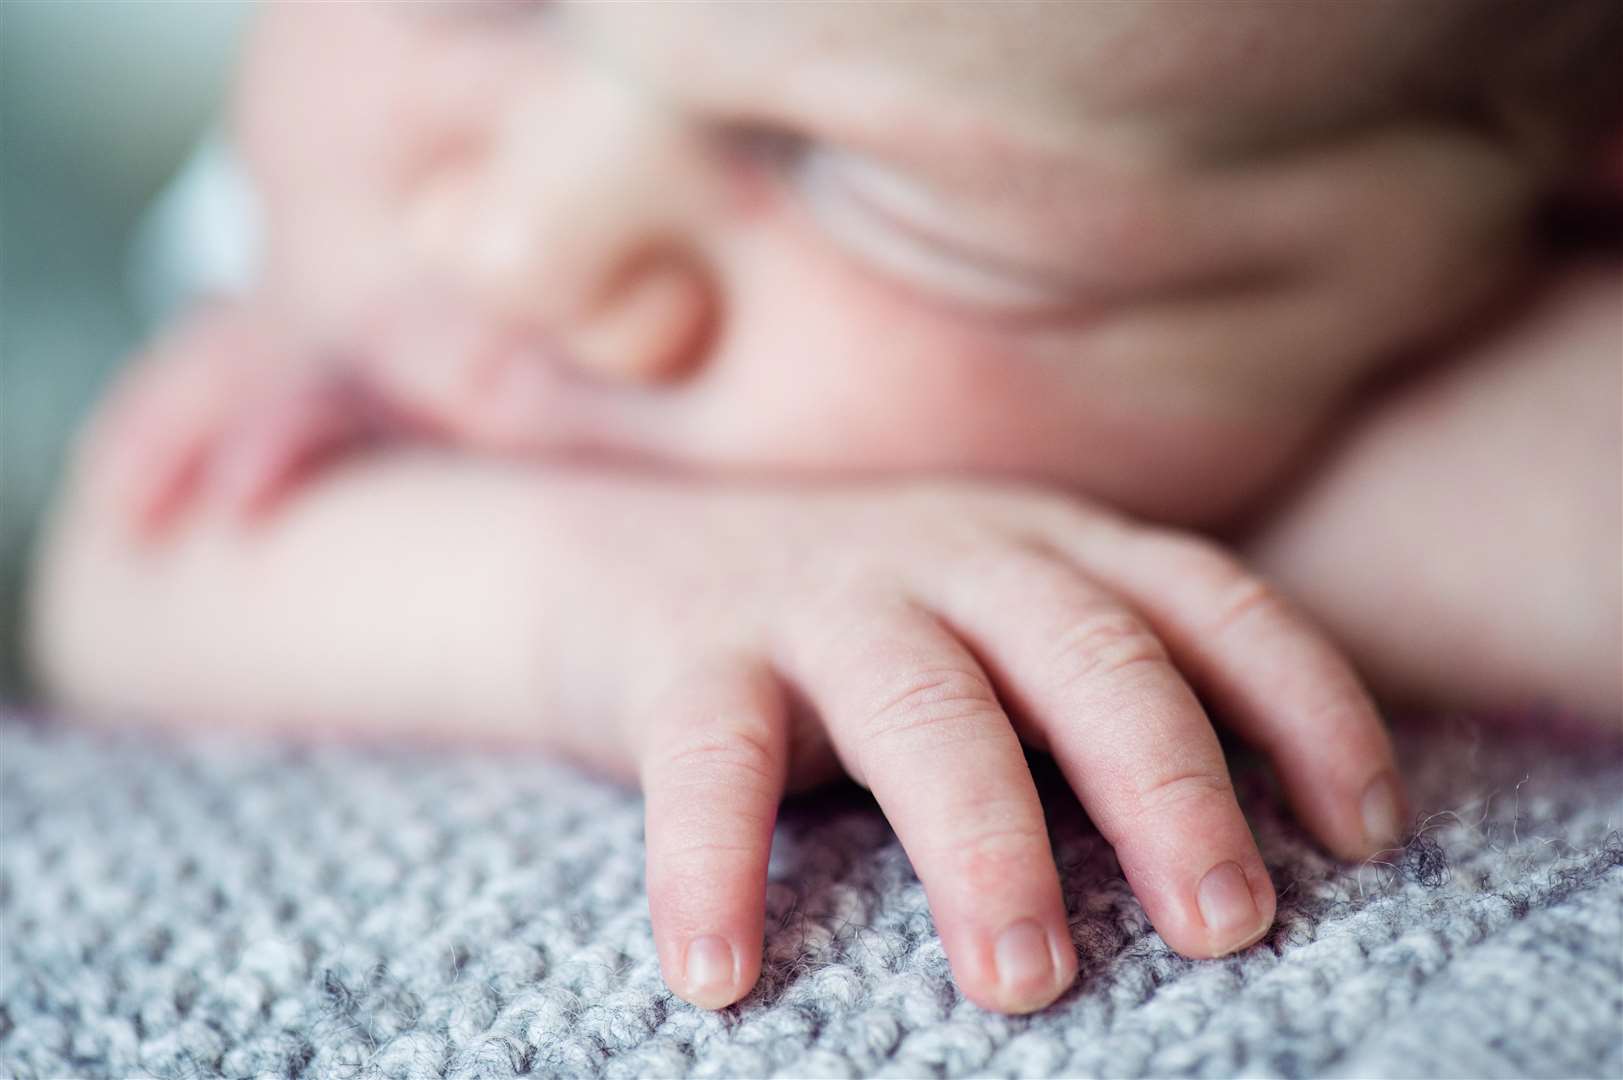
(713, 769)
(1277, 681)
(261, 458)
(1096, 685)
(148, 446)
(912, 715)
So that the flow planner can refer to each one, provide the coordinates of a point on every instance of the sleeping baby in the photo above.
(734, 396)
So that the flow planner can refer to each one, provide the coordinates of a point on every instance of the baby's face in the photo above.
(1137, 249)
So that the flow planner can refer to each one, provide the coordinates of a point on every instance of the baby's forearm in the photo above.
(405, 593)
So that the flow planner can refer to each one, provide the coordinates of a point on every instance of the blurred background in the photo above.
(101, 101)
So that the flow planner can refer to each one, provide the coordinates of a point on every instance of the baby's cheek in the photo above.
(821, 366)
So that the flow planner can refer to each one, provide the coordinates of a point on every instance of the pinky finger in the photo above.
(713, 772)
(1280, 683)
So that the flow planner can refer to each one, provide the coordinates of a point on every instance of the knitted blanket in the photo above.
(200, 908)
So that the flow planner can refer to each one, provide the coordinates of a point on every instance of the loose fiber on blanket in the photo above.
(198, 909)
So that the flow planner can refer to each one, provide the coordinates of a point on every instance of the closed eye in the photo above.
(897, 227)
(900, 228)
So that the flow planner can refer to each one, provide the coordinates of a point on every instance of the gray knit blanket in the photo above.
(205, 908)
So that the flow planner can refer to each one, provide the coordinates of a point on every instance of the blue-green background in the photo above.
(100, 101)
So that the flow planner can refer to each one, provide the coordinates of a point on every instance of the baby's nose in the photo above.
(582, 213)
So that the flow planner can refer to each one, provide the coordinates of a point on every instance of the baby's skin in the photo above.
(857, 389)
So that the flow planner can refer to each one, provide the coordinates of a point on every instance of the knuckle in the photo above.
(988, 855)
(1178, 792)
(1192, 792)
(1345, 706)
(705, 848)
(1005, 830)
(928, 702)
(1104, 644)
(1240, 598)
(735, 756)
(1248, 600)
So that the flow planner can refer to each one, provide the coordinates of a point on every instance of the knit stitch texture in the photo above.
(197, 908)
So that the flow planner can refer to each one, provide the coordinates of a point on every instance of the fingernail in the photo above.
(710, 968)
(1228, 908)
(1025, 964)
(1383, 812)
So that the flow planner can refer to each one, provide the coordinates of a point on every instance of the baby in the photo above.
(758, 392)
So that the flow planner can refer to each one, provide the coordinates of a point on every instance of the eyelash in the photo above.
(898, 242)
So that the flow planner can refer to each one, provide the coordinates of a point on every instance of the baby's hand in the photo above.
(927, 631)
(222, 411)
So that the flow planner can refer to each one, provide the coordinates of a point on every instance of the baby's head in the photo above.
(1140, 249)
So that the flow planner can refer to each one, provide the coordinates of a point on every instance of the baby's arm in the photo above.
(1462, 539)
(663, 630)
(401, 595)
